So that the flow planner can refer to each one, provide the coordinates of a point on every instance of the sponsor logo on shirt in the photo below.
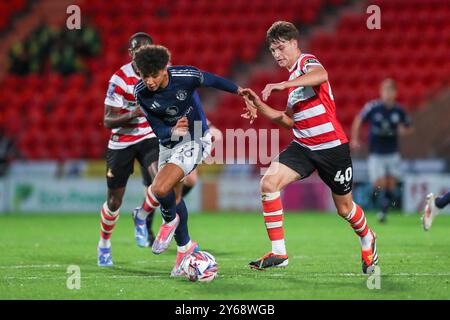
(171, 111)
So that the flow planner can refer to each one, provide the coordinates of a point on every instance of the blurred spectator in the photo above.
(8, 152)
(19, 59)
(58, 49)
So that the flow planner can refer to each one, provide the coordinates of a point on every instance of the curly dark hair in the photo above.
(282, 30)
(151, 59)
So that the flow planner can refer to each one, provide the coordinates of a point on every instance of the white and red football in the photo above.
(199, 266)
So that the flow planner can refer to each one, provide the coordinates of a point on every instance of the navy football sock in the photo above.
(442, 201)
(384, 201)
(182, 233)
(168, 205)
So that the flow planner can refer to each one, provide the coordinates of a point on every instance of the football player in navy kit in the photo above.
(387, 121)
(166, 96)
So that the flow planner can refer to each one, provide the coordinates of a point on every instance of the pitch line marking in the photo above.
(276, 275)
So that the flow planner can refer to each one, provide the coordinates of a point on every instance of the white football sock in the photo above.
(184, 248)
(103, 243)
(142, 214)
(366, 240)
(278, 247)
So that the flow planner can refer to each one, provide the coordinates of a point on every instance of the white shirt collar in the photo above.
(295, 64)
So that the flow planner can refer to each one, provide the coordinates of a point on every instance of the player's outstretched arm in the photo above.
(315, 76)
(114, 119)
(252, 100)
(215, 81)
(356, 128)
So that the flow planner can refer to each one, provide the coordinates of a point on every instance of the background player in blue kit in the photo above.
(165, 95)
(387, 120)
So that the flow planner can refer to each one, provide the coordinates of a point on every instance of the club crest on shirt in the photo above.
(181, 95)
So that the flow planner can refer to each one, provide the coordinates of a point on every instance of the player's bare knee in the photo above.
(344, 207)
(268, 184)
(114, 203)
(160, 189)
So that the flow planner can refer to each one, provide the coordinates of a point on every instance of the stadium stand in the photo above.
(357, 60)
(69, 110)
(8, 9)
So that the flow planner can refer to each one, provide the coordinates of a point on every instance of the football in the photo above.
(199, 266)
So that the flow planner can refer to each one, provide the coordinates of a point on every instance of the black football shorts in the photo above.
(333, 165)
(120, 162)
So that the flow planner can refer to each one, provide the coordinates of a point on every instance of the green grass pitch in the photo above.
(324, 259)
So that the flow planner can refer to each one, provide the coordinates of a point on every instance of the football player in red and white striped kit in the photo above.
(131, 138)
(319, 144)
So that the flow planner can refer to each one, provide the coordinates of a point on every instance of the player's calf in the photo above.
(358, 222)
(273, 219)
(108, 220)
(142, 228)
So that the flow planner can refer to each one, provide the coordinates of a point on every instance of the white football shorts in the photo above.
(186, 155)
(382, 165)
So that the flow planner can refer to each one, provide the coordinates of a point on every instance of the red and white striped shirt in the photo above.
(315, 124)
(120, 95)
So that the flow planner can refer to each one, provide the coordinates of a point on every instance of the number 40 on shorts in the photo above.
(344, 177)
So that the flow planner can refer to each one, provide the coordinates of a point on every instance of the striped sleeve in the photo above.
(115, 93)
(307, 62)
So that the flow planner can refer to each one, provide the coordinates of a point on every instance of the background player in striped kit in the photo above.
(131, 138)
(319, 144)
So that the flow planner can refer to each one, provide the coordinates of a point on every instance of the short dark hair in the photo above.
(151, 59)
(282, 30)
(139, 39)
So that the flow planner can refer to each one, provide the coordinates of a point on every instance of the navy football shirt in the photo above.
(383, 126)
(164, 107)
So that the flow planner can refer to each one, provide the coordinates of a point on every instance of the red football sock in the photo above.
(108, 220)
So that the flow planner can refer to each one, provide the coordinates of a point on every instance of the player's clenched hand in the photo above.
(272, 87)
(181, 128)
(354, 144)
(137, 112)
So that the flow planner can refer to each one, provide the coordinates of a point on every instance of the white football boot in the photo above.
(430, 211)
